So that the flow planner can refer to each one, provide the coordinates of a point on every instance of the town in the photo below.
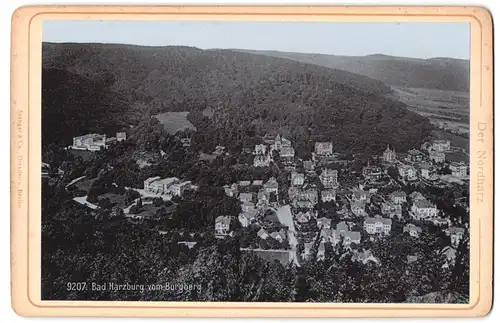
(317, 204)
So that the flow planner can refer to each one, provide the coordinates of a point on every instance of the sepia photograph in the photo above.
(252, 161)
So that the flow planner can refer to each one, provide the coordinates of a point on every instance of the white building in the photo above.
(456, 234)
(412, 230)
(423, 210)
(408, 172)
(156, 185)
(271, 186)
(324, 223)
(178, 189)
(120, 136)
(398, 197)
(323, 148)
(458, 170)
(441, 145)
(245, 197)
(287, 152)
(427, 171)
(378, 224)
(222, 225)
(389, 155)
(260, 149)
(437, 156)
(92, 142)
(328, 178)
(297, 179)
(328, 195)
(262, 160)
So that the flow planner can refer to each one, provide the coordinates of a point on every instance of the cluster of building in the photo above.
(425, 162)
(171, 186)
(314, 183)
(95, 141)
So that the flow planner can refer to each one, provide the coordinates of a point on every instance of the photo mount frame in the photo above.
(26, 155)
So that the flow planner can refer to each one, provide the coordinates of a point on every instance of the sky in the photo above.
(406, 39)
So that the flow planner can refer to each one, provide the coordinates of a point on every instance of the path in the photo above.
(83, 201)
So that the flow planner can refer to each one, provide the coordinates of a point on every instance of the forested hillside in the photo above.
(249, 94)
(439, 73)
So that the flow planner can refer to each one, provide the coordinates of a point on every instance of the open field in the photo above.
(175, 121)
(448, 107)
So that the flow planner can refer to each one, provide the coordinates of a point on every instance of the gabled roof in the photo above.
(226, 220)
(378, 219)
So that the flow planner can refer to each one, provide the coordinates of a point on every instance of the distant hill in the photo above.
(435, 73)
(249, 94)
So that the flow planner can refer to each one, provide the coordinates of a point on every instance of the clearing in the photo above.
(175, 121)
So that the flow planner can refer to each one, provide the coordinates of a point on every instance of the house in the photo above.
(351, 237)
(360, 196)
(309, 166)
(415, 155)
(287, 152)
(427, 171)
(412, 230)
(269, 138)
(261, 160)
(372, 173)
(458, 170)
(358, 208)
(342, 232)
(303, 217)
(416, 196)
(324, 223)
(263, 197)
(247, 206)
(271, 186)
(260, 149)
(177, 189)
(440, 222)
(230, 191)
(328, 178)
(407, 172)
(92, 142)
(245, 197)
(247, 218)
(262, 234)
(303, 204)
(120, 136)
(222, 225)
(441, 145)
(437, 156)
(456, 234)
(310, 195)
(186, 142)
(297, 179)
(389, 155)
(279, 236)
(423, 210)
(392, 210)
(244, 183)
(449, 255)
(398, 197)
(308, 247)
(328, 195)
(156, 185)
(377, 225)
(45, 170)
(365, 257)
(323, 148)
(257, 183)
(280, 142)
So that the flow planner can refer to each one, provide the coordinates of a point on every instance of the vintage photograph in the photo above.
(320, 162)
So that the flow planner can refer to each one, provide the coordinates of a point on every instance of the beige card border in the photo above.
(26, 155)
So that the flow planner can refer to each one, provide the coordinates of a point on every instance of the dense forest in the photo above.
(117, 85)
